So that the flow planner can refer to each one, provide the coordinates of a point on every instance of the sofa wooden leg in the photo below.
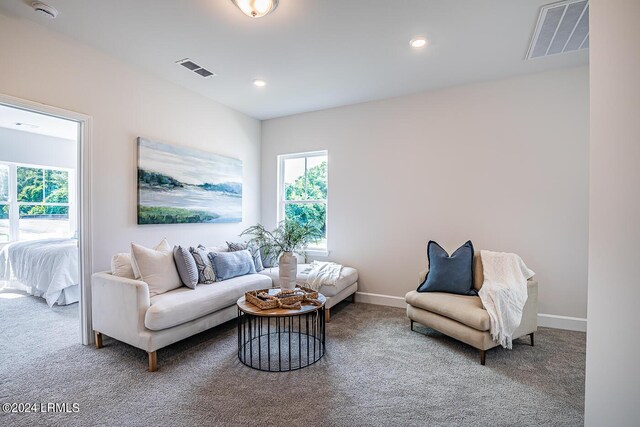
(483, 357)
(153, 361)
(411, 325)
(353, 298)
(327, 315)
(98, 337)
(532, 342)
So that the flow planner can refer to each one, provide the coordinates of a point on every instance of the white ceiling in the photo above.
(313, 54)
(28, 121)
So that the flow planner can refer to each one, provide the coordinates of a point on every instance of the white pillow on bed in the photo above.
(156, 267)
(121, 266)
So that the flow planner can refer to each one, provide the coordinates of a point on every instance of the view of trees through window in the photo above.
(40, 203)
(305, 190)
(41, 192)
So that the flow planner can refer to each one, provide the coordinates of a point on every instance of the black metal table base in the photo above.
(281, 343)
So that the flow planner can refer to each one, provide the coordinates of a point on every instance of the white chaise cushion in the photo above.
(156, 267)
(348, 276)
(183, 305)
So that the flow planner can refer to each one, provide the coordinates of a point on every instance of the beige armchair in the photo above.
(463, 317)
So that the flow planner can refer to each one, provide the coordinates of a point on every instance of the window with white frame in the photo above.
(303, 190)
(35, 202)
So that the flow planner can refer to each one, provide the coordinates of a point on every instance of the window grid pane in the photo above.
(37, 228)
(30, 184)
(44, 211)
(305, 178)
(304, 213)
(56, 188)
(294, 175)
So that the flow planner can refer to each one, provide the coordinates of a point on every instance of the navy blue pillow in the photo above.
(452, 274)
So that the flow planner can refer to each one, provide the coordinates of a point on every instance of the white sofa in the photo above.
(122, 308)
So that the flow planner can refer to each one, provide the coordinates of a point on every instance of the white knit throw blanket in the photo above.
(323, 273)
(504, 293)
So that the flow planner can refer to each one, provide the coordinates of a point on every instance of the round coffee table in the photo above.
(279, 339)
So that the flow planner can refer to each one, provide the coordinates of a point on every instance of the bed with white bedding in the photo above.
(45, 268)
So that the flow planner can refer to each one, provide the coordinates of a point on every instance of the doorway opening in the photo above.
(45, 248)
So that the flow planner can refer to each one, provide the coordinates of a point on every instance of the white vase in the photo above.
(288, 268)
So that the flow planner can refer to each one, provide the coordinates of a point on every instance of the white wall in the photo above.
(126, 103)
(613, 373)
(32, 148)
(503, 163)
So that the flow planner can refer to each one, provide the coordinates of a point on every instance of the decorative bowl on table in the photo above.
(266, 299)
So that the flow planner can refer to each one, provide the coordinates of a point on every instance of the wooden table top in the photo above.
(249, 308)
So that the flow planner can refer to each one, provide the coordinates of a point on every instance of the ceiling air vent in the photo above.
(192, 66)
(562, 27)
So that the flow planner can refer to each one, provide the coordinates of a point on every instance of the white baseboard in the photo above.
(544, 320)
(379, 299)
(562, 322)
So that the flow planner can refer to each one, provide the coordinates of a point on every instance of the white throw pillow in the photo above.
(157, 268)
(162, 246)
(121, 266)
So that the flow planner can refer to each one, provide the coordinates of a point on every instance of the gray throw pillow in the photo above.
(187, 268)
(206, 273)
(232, 264)
(253, 249)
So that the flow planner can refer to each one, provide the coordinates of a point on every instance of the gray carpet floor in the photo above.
(376, 372)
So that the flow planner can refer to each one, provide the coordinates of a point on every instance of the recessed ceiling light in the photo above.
(418, 42)
(259, 83)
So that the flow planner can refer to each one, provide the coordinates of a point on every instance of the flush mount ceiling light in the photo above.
(256, 8)
(259, 83)
(418, 42)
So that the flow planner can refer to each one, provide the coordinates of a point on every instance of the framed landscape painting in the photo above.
(178, 185)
